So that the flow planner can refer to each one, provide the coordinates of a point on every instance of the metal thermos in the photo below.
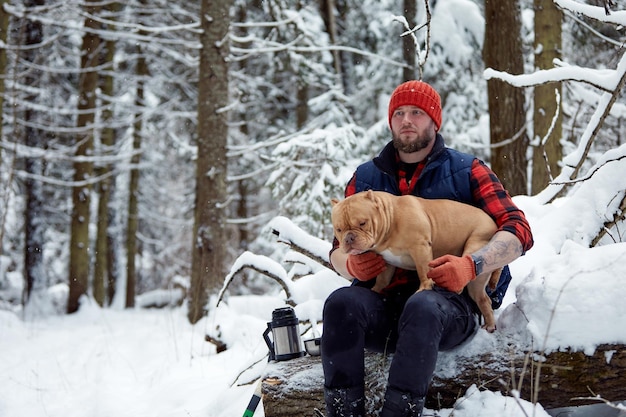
(285, 330)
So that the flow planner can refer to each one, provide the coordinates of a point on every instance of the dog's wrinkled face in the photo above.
(355, 221)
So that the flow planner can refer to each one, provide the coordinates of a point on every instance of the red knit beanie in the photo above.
(420, 94)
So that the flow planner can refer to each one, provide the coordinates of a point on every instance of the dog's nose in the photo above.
(349, 238)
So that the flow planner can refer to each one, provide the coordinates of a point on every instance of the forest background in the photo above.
(146, 144)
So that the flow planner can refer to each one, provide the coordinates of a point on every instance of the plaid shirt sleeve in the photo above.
(491, 196)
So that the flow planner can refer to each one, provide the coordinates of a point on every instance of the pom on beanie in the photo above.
(420, 94)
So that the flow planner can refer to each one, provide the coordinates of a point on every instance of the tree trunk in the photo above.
(295, 387)
(34, 228)
(83, 168)
(547, 154)
(244, 189)
(408, 44)
(502, 51)
(328, 12)
(102, 269)
(4, 30)
(133, 188)
(302, 104)
(334, 13)
(209, 249)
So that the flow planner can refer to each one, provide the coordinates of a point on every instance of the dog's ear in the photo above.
(334, 202)
(373, 197)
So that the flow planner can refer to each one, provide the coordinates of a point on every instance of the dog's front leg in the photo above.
(422, 255)
(384, 278)
(476, 290)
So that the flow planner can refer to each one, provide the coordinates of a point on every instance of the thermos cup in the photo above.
(285, 331)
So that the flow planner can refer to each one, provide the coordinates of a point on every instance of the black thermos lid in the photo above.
(284, 317)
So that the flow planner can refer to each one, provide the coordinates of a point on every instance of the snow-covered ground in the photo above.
(112, 363)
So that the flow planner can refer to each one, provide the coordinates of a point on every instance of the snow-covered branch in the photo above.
(602, 79)
(595, 12)
(574, 161)
(261, 264)
(300, 241)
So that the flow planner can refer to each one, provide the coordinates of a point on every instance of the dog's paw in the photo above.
(489, 329)
(427, 284)
(378, 288)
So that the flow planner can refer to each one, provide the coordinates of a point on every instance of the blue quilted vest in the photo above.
(446, 175)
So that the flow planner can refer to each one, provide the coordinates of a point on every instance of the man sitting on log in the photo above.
(413, 325)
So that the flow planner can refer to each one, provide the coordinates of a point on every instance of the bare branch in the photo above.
(421, 61)
(596, 397)
(589, 175)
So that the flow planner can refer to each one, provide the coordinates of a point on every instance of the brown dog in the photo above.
(409, 232)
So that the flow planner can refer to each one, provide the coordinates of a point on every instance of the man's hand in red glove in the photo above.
(366, 265)
(451, 272)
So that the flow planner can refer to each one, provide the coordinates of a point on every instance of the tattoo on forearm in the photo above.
(499, 252)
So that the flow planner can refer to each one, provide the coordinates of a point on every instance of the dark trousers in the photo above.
(413, 326)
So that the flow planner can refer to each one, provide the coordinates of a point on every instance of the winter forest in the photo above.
(150, 148)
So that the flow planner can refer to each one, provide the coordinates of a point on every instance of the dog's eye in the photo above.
(363, 223)
(338, 230)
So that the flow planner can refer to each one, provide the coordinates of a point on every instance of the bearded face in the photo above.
(415, 145)
(412, 130)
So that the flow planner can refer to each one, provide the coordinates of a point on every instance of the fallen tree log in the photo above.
(564, 378)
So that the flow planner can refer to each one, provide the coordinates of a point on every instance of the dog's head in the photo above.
(357, 221)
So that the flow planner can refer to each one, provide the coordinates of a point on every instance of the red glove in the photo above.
(366, 265)
(451, 272)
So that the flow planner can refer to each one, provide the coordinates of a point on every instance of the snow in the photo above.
(153, 362)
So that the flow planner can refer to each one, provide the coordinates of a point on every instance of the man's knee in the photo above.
(444, 316)
(346, 300)
(424, 305)
(337, 301)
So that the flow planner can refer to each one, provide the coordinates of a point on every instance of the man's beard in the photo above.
(417, 145)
